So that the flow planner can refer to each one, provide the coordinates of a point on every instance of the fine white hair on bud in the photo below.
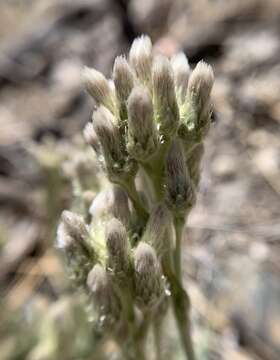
(120, 207)
(148, 278)
(193, 163)
(180, 192)
(140, 58)
(63, 239)
(123, 78)
(181, 68)
(117, 245)
(104, 124)
(200, 85)
(111, 203)
(97, 281)
(142, 132)
(98, 87)
(155, 233)
(74, 226)
(91, 137)
(145, 259)
(104, 298)
(72, 238)
(167, 112)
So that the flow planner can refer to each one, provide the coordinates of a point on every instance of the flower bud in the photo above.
(117, 245)
(104, 298)
(149, 285)
(193, 163)
(142, 133)
(104, 124)
(200, 85)
(182, 71)
(167, 112)
(74, 226)
(99, 88)
(123, 79)
(72, 239)
(63, 239)
(120, 207)
(97, 282)
(91, 137)
(160, 221)
(140, 57)
(180, 192)
(111, 203)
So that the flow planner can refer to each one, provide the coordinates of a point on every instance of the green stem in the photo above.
(158, 339)
(181, 308)
(155, 168)
(130, 188)
(179, 227)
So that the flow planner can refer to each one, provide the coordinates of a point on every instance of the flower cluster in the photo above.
(147, 131)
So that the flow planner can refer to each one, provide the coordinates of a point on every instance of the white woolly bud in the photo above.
(160, 221)
(148, 280)
(182, 72)
(63, 239)
(140, 57)
(97, 281)
(91, 137)
(117, 245)
(74, 225)
(193, 163)
(167, 112)
(98, 87)
(72, 238)
(200, 85)
(123, 78)
(112, 202)
(101, 289)
(180, 192)
(142, 133)
(120, 207)
(104, 124)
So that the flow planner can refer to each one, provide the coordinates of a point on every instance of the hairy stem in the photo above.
(181, 308)
(158, 339)
(155, 169)
(130, 188)
(179, 227)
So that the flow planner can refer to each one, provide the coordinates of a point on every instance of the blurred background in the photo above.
(231, 250)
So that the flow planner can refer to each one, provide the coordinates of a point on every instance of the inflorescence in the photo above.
(147, 131)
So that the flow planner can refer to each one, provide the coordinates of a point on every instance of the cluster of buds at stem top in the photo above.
(148, 125)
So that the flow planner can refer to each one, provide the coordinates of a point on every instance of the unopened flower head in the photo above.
(200, 85)
(63, 239)
(156, 229)
(99, 88)
(167, 111)
(104, 298)
(104, 124)
(193, 163)
(140, 57)
(111, 203)
(97, 282)
(117, 245)
(123, 78)
(180, 192)
(120, 207)
(91, 137)
(182, 71)
(72, 238)
(142, 132)
(74, 225)
(148, 279)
